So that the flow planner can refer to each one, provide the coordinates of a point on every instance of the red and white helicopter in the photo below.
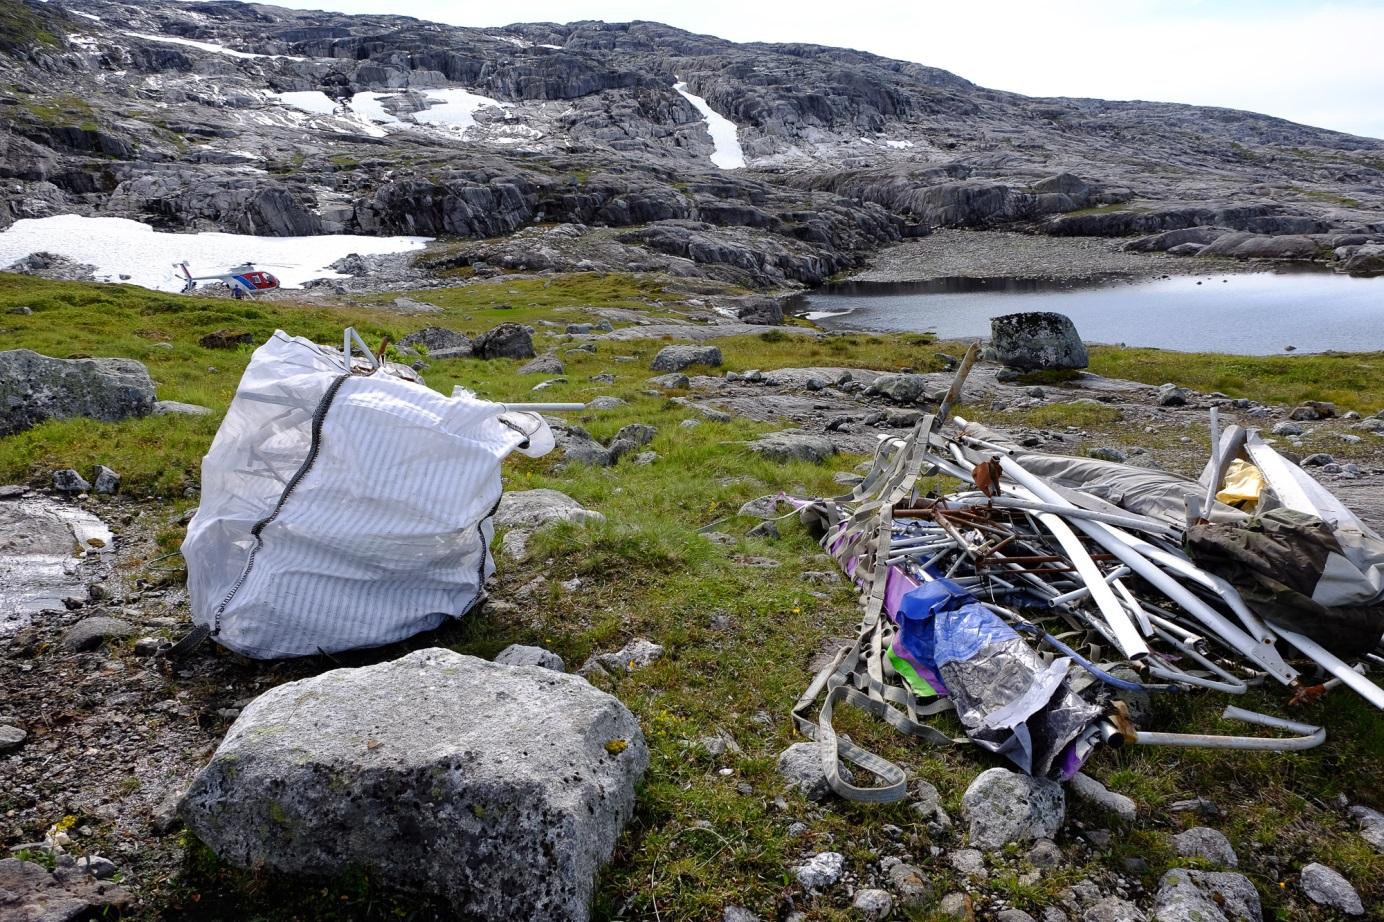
(241, 280)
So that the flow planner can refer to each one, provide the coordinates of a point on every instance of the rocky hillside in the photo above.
(256, 119)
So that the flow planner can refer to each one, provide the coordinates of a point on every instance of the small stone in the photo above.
(910, 885)
(689, 423)
(174, 408)
(767, 530)
(90, 633)
(1106, 453)
(671, 382)
(543, 365)
(1185, 895)
(148, 646)
(1304, 413)
(645, 458)
(1045, 854)
(1287, 428)
(605, 403)
(1207, 843)
(1013, 915)
(1170, 395)
(11, 737)
(1004, 806)
(1113, 909)
(1195, 805)
(107, 481)
(738, 914)
(96, 866)
(821, 870)
(1092, 791)
(969, 861)
(69, 481)
(1326, 887)
(636, 654)
(875, 905)
(517, 654)
(956, 906)
(801, 765)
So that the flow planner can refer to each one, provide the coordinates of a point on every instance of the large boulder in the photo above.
(1004, 806)
(1263, 246)
(501, 789)
(35, 387)
(1036, 340)
(761, 311)
(900, 388)
(506, 341)
(677, 358)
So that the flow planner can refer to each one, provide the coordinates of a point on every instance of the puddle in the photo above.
(49, 551)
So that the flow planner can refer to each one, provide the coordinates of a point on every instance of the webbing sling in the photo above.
(861, 673)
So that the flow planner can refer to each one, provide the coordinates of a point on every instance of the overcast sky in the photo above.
(1318, 63)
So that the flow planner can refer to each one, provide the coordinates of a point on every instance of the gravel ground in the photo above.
(1002, 254)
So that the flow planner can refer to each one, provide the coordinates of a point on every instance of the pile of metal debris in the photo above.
(1039, 603)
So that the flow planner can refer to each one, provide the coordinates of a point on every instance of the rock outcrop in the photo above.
(501, 789)
(35, 387)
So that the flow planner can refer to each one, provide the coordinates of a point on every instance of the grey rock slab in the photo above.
(969, 861)
(96, 866)
(673, 381)
(1045, 853)
(1002, 806)
(1013, 915)
(700, 332)
(900, 388)
(1036, 340)
(518, 654)
(501, 789)
(1207, 843)
(1170, 395)
(543, 365)
(801, 765)
(1092, 791)
(1326, 887)
(794, 445)
(680, 358)
(1185, 895)
(640, 434)
(90, 633)
(35, 387)
(533, 509)
(821, 870)
(605, 403)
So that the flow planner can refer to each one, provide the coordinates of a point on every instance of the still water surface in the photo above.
(1249, 314)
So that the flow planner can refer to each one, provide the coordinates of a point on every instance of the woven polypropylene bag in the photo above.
(344, 510)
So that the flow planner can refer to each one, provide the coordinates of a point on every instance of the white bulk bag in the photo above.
(344, 510)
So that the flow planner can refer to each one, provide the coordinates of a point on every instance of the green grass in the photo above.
(739, 639)
(22, 26)
(1351, 380)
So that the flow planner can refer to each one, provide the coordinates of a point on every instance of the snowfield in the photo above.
(727, 153)
(121, 247)
(455, 108)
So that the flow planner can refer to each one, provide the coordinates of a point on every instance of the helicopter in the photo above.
(242, 280)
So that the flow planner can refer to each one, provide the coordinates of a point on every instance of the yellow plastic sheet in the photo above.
(1243, 485)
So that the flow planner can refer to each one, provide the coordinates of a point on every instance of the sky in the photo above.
(1320, 63)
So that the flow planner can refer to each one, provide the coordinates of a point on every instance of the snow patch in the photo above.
(369, 107)
(898, 145)
(455, 108)
(208, 46)
(726, 152)
(516, 42)
(121, 247)
(90, 16)
(312, 101)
